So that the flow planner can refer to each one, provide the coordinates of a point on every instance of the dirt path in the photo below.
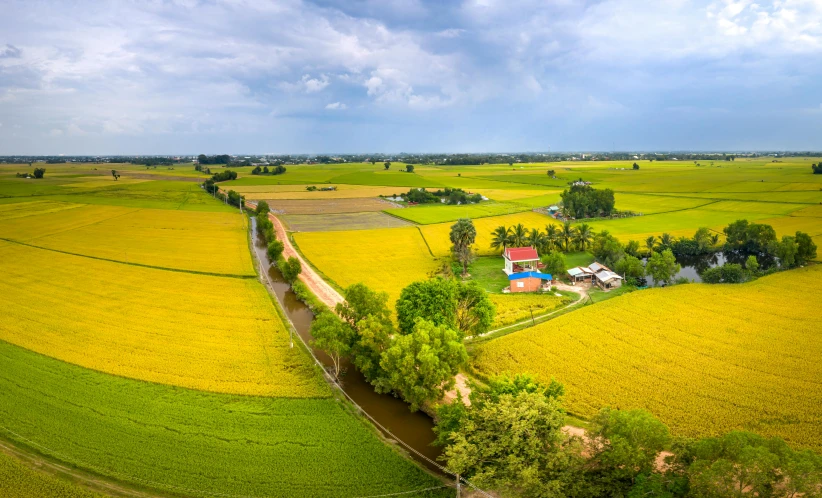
(324, 292)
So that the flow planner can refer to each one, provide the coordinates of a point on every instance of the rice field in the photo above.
(183, 240)
(210, 333)
(328, 206)
(429, 214)
(19, 481)
(342, 221)
(705, 359)
(197, 443)
(513, 308)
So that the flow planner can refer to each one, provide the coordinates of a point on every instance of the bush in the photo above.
(290, 268)
(275, 250)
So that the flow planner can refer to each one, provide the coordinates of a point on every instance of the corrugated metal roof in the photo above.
(529, 274)
(596, 267)
(579, 270)
(606, 275)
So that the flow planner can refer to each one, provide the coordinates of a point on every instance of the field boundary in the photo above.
(179, 270)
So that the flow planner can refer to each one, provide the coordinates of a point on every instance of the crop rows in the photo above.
(512, 308)
(172, 438)
(211, 333)
(19, 481)
(706, 359)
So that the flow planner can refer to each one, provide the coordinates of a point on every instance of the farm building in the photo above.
(529, 281)
(521, 259)
(596, 273)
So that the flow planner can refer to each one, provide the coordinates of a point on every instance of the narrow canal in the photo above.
(414, 429)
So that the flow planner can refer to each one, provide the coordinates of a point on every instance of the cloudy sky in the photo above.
(289, 76)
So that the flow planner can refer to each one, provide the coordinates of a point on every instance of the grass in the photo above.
(201, 444)
(184, 240)
(573, 259)
(705, 359)
(487, 272)
(211, 333)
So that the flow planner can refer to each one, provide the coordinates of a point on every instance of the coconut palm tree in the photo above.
(650, 243)
(551, 234)
(582, 236)
(714, 239)
(567, 235)
(500, 237)
(537, 239)
(463, 234)
(665, 242)
(519, 236)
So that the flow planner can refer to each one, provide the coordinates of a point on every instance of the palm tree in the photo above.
(582, 236)
(463, 234)
(552, 234)
(650, 243)
(537, 239)
(714, 239)
(519, 236)
(665, 241)
(500, 237)
(567, 234)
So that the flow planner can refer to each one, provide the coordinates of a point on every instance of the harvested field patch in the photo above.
(325, 206)
(342, 221)
(342, 192)
(439, 213)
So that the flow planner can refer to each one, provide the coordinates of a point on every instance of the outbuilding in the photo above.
(529, 281)
(580, 274)
(606, 279)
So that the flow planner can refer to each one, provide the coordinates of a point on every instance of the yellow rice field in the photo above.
(513, 308)
(706, 359)
(216, 334)
(208, 242)
(385, 260)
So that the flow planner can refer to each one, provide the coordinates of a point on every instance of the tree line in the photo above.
(276, 170)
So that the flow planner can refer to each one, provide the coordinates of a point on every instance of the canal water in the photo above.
(414, 429)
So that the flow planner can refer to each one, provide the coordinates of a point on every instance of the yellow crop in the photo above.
(186, 240)
(385, 260)
(706, 359)
(512, 308)
(217, 334)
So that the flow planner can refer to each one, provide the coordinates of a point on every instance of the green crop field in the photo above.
(426, 215)
(202, 444)
(20, 481)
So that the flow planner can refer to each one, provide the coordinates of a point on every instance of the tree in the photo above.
(552, 237)
(702, 238)
(113, 173)
(387, 164)
(463, 234)
(806, 248)
(666, 241)
(409, 168)
(537, 239)
(752, 265)
(500, 237)
(623, 445)
(650, 243)
(662, 266)
(631, 268)
(262, 208)
(554, 263)
(636, 166)
(421, 366)
(632, 248)
(275, 250)
(366, 313)
(510, 441)
(552, 173)
(290, 268)
(817, 169)
(332, 336)
(519, 236)
(566, 235)
(434, 300)
(362, 302)
(786, 250)
(607, 249)
(582, 236)
(475, 311)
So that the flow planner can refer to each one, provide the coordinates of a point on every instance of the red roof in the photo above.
(521, 254)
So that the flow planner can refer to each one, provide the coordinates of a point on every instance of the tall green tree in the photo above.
(566, 235)
(262, 208)
(554, 263)
(290, 268)
(630, 267)
(366, 312)
(806, 248)
(582, 236)
(463, 234)
(650, 244)
(421, 366)
(434, 300)
(552, 236)
(519, 236)
(333, 336)
(662, 267)
(786, 250)
(537, 239)
(475, 311)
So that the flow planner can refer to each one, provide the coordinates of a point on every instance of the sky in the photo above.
(359, 76)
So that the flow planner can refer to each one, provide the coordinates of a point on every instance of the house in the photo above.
(529, 281)
(596, 273)
(520, 259)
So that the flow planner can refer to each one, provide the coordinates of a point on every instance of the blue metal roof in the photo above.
(529, 274)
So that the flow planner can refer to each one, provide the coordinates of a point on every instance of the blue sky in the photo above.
(174, 77)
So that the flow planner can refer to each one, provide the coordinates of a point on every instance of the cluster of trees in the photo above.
(220, 159)
(817, 169)
(564, 238)
(417, 359)
(584, 201)
(276, 170)
(232, 197)
(760, 240)
(452, 196)
(37, 173)
(510, 438)
(291, 267)
(223, 176)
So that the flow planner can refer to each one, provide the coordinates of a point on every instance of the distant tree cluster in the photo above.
(221, 159)
(450, 195)
(817, 169)
(584, 201)
(276, 170)
(37, 173)
(223, 176)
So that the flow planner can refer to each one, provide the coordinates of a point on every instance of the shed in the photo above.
(580, 273)
(607, 279)
(529, 281)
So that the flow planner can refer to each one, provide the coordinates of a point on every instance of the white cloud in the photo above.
(336, 106)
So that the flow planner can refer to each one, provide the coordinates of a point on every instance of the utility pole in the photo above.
(458, 486)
